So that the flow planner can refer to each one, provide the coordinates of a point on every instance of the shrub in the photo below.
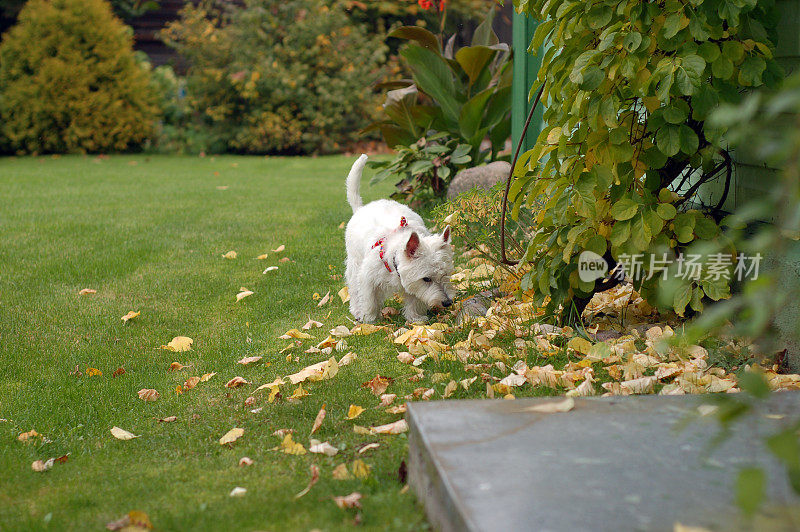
(457, 97)
(617, 169)
(70, 82)
(278, 77)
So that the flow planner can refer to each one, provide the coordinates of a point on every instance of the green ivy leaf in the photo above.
(666, 211)
(624, 209)
(668, 139)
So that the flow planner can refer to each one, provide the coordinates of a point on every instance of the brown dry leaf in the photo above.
(284, 259)
(344, 295)
(368, 447)
(405, 357)
(319, 419)
(552, 407)
(168, 419)
(243, 293)
(378, 384)
(585, 389)
(314, 479)
(229, 255)
(290, 446)
(322, 448)
(311, 323)
(148, 394)
(347, 359)
(642, 385)
(389, 311)
(177, 366)
(236, 382)
(87, 291)
(122, 434)
(340, 472)
(245, 461)
(231, 436)
(248, 360)
(324, 299)
(191, 382)
(129, 316)
(348, 501)
(279, 249)
(294, 333)
(25, 436)
(391, 428)
(398, 409)
(452, 385)
(41, 467)
(179, 344)
(354, 411)
(360, 469)
(118, 372)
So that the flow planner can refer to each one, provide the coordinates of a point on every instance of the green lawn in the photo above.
(148, 233)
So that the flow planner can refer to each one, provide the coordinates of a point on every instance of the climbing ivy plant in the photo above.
(619, 166)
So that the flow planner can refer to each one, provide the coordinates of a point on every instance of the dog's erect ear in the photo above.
(446, 235)
(412, 245)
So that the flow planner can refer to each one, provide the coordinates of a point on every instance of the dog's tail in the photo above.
(354, 183)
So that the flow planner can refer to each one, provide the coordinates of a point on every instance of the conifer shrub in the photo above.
(70, 81)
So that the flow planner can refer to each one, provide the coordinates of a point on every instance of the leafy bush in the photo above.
(628, 88)
(70, 82)
(461, 95)
(277, 77)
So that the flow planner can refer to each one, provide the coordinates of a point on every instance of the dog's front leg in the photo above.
(414, 309)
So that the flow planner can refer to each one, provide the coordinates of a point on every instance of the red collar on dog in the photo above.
(381, 244)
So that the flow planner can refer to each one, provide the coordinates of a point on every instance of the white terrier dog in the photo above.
(389, 250)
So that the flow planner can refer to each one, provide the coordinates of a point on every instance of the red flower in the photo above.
(441, 4)
(425, 4)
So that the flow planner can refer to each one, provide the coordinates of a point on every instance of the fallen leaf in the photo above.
(238, 491)
(25, 436)
(324, 299)
(389, 311)
(248, 360)
(168, 419)
(179, 344)
(397, 427)
(41, 467)
(177, 366)
(344, 295)
(133, 521)
(207, 376)
(283, 432)
(347, 359)
(231, 436)
(122, 434)
(311, 323)
(250, 401)
(363, 431)
(289, 446)
(368, 447)
(294, 333)
(320, 371)
(348, 501)
(378, 384)
(229, 255)
(261, 257)
(318, 420)
(284, 259)
(63, 459)
(340, 331)
(340, 472)
(364, 329)
(245, 461)
(87, 291)
(397, 409)
(360, 469)
(405, 357)
(118, 372)
(269, 269)
(387, 398)
(243, 293)
(354, 411)
(314, 478)
(191, 382)
(451, 387)
(279, 249)
(323, 448)
(299, 393)
(551, 407)
(236, 382)
(129, 316)
(148, 394)
(93, 372)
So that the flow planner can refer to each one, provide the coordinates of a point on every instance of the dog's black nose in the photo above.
(447, 302)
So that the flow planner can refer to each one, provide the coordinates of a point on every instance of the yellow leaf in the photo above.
(243, 293)
(310, 324)
(129, 316)
(279, 249)
(236, 382)
(87, 291)
(363, 431)
(294, 333)
(25, 436)
(451, 387)
(93, 372)
(581, 345)
(229, 255)
(290, 446)
(360, 469)
(177, 366)
(207, 376)
(325, 299)
(231, 436)
(299, 393)
(261, 257)
(191, 382)
(354, 411)
(122, 434)
(248, 360)
(179, 344)
(319, 419)
(148, 394)
(347, 359)
(340, 472)
(364, 329)
(344, 295)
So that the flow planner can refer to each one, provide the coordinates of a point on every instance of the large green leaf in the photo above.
(473, 59)
(750, 489)
(399, 106)
(484, 34)
(624, 209)
(668, 139)
(414, 33)
(470, 119)
(434, 77)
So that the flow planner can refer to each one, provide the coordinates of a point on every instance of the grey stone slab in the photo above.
(609, 464)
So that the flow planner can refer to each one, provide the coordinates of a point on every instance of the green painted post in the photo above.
(526, 68)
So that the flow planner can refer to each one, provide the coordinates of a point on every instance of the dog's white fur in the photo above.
(421, 263)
